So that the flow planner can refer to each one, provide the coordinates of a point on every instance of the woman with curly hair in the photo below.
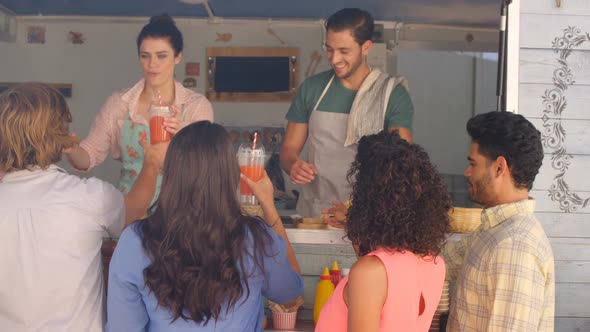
(398, 222)
(197, 263)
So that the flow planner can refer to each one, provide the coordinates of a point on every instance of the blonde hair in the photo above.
(34, 120)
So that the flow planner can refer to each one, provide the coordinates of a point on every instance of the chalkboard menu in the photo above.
(252, 73)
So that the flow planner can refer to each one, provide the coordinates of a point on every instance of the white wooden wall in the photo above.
(543, 31)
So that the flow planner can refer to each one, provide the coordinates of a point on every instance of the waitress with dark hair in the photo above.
(197, 263)
(121, 127)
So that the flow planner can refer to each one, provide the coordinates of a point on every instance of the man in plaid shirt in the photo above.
(504, 272)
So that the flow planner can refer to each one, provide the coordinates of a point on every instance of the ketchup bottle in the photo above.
(335, 274)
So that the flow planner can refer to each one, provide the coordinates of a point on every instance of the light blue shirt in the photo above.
(132, 307)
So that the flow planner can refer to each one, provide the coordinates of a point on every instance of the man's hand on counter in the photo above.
(336, 215)
(302, 172)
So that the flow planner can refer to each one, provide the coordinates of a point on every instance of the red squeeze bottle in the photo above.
(335, 274)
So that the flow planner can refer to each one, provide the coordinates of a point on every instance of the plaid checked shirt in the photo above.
(504, 273)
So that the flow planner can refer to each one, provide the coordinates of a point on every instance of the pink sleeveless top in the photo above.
(408, 277)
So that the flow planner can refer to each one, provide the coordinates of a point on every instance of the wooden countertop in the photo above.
(317, 236)
(296, 235)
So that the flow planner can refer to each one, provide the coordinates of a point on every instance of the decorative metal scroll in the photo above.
(554, 104)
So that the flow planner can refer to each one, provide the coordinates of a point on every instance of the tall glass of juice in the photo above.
(251, 160)
(157, 115)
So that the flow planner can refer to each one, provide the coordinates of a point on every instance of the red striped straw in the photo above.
(253, 147)
(159, 98)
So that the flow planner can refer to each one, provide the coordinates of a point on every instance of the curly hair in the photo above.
(197, 237)
(399, 200)
(513, 137)
(34, 127)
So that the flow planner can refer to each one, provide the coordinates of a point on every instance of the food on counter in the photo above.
(310, 223)
(313, 220)
(313, 223)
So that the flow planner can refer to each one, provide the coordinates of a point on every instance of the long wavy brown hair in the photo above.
(399, 201)
(197, 237)
(34, 121)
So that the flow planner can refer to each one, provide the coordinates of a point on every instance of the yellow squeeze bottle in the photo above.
(323, 292)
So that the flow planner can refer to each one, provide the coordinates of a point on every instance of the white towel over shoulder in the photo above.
(367, 114)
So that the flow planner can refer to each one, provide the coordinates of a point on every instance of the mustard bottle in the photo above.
(323, 292)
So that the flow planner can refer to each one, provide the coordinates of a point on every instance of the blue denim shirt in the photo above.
(132, 307)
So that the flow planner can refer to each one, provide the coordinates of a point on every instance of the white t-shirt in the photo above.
(51, 230)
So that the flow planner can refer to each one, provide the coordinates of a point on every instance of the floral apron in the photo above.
(132, 134)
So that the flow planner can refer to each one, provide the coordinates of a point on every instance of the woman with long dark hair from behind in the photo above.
(197, 263)
(399, 221)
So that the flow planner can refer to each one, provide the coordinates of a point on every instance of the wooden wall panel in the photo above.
(577, 97)
(559, 224)
(572, 271)
(538, 66)
(577, 134)
(539, 31)
(545, 204)
(570, 249)
(576, 175)
(312, 259)
(568, 7)
(570, 324)
(572, 300)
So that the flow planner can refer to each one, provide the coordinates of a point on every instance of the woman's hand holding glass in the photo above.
(262, 189)
(172, 124)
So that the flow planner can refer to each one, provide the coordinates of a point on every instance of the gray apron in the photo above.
(327, 133)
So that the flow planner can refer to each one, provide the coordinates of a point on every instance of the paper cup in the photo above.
(284, 321)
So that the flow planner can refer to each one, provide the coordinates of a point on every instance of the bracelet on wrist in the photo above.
(276, 221)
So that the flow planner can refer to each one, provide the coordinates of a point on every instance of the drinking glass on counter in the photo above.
(251, 160)
(157, 114)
